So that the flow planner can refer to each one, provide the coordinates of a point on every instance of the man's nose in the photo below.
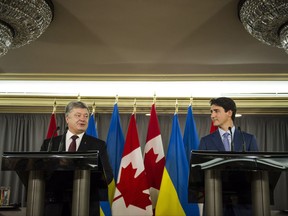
(83, 118)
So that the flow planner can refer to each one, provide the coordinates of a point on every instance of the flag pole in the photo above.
(191, 101)
(54, 107)
(52, 127)
(134, 106)
(93, 108)
(176, 107)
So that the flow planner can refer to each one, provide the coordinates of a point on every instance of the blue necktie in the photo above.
(226, 141)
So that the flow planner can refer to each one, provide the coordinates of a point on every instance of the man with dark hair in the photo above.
(228, 138)
(226, 103)
(59, 202)
(223, 111)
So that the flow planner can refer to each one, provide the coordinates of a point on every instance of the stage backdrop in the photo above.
(25, 132)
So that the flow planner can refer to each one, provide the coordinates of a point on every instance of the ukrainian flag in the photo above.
(191, 142)
(105, 208)
(92, 128)
(115, 145)
(115, 141)
(173, 194)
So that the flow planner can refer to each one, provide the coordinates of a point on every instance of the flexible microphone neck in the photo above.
(61, 145)
(51, 139)
(232, 142)
(243, 140)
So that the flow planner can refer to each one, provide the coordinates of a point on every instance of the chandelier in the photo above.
(266, 20)
(23, 21)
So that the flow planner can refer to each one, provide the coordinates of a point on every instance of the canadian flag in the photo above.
(132, 191)
(52, 126)
(213, 128)
(154, 158)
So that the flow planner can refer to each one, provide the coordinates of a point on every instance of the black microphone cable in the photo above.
(61, 145)
(51, 139)
(243, 140)
(232, 142)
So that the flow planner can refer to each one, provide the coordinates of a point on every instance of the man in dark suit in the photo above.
(59, 196)
(223, 111)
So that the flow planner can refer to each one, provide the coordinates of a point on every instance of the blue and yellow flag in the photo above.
(115, 142)
(190, 137)
(191, 142)
(173, 194)
(105, 206)
(115, 145)
(92, 127)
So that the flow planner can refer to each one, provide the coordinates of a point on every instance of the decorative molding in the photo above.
(146, 77)
(44, 104)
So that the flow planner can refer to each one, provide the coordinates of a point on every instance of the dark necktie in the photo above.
(226, 141)
(72, 147)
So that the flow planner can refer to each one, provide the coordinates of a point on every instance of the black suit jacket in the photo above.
(61, 193)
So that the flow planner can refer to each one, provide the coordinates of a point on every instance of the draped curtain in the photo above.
(25, 132)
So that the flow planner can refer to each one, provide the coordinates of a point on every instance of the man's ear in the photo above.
(66, 118)
(229, 112)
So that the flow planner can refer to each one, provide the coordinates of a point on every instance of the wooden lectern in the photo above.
(34, 169)
(216, 177)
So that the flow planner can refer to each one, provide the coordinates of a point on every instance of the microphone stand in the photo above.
(51, 139)
(61, 145)
(232, 142)
(243, 140)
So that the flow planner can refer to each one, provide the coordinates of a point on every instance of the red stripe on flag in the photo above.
(52, 126)
(213, 128)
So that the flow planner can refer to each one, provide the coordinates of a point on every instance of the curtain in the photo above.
(26, 132)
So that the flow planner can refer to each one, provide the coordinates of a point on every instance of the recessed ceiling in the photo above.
(145, 40)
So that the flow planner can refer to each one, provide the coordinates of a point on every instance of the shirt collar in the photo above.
(69, 135)
(221, 131)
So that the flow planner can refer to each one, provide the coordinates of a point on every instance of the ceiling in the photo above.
(145, 40)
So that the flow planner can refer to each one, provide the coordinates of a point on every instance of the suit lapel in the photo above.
(237, 141)
(83, 144)
(218, 141)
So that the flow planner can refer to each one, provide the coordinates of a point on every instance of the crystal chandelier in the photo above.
(266, 20)
(23, 21)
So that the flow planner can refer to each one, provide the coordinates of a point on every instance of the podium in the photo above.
(250, 177)
(34, 169)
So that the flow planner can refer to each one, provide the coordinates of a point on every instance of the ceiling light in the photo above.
(23, 21)
(266, 20)
(147, 88)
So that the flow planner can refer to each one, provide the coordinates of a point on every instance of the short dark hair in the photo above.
(226, 103)
(75, 104)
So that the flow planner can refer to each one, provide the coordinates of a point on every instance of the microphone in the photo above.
(61, 145)
(243, 140)
(232, 142)
(51, 139)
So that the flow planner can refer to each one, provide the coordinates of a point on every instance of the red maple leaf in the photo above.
(154, 169)
(132, 188)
